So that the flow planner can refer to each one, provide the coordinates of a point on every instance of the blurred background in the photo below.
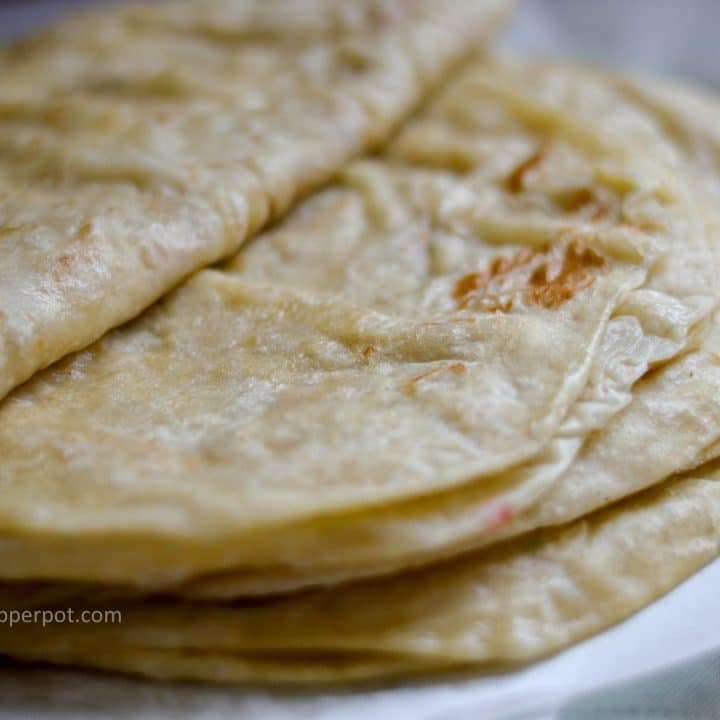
(675, 38)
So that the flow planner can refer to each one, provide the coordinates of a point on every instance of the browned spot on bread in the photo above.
(515, 181)
(497, 305)
(583, 201)
(81, 254)
(556, 281)
(577, 199)
(715, 357)
(367, 353)
(473, 283)
(85, 230)
(62, 267)
(65, 261)
(454, 368)
(468, 284)
(10, 229)
(547, 279)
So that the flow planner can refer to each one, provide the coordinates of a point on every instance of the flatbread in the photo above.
(671, 425)
(377, 347)
(377, 388)
(140, 144)
(303, 434)
(513, 604)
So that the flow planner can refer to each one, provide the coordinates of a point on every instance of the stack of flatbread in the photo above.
(457, 406)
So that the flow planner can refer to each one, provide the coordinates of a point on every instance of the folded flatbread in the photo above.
(672, 424)
(140, 144)
(518, 602)
(455, 316)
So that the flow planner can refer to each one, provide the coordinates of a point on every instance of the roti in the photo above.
(671, 425)
(206, 464)
(667, 428)
(140, 144)
(516, 603)
(379, 347)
